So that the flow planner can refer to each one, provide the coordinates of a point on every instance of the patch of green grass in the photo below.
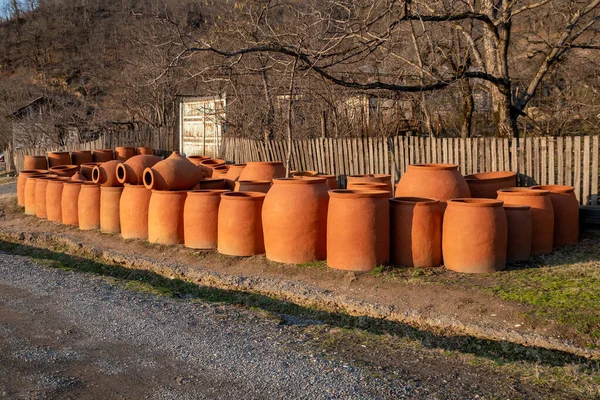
(322, 264)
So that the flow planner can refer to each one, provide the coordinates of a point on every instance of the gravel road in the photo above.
(65, 334)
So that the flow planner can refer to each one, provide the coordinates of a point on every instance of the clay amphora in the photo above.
(233, 174)
(208, 165)
(40, 196)
(144, 151)
(64, 170)
(196, 160)
(174, 173)
(54, 200)
(376, 178)
(105, 174)
(331, 181)
(30, 202)
(252, 186)
(86, 169)
(211, 184)
(132, 170)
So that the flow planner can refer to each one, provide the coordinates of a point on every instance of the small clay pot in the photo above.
(518, 219)
(358, 229)
(35, 162)
(56, 158)
(201, 218)
(262, 171)
(124, 153)
(295, 220)
(88, 207)
(81, 157)
(367, 186)
(30, 202)
(110, 198)
(331, 181)
(434, 181)
(220, 171)
(240, 230)
(40, 197)
(23, 175)
(196, 160)
(144, 151)
(132, 170)
(474, 235)
(485, 185)
(207, 166)
(211, 184)
(252, 186)
(566, 214)
(105, 174)
(542, 215)
(133, 211)
(416, 229)
(86, 169)
(54, 190)
(69, 203)
(174, 173)
(102, 155)
(64, 170)
(371, 178)
(165, 216)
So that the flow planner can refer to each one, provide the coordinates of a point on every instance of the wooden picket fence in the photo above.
(569, 161)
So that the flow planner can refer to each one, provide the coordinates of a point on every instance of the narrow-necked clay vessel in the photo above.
(132, 170)
(105, 174)
(486, 184)
(174, 173)
(566, 214)
(201, 218)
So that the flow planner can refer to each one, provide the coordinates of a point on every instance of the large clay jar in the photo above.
(110, 198)
(486, 184)
(416, 231)
(211, 184)
(196, 160)
(88, 207)
(263, 171)
(23, 175)
(144, 151)
(56, 158)
(86, 169)
(220, 171)
(208, 165)
(435, 181)
(69, 203)
(35, 162)
(102, 155)
(519, 223)
(54, 190)
(165, 216)
(367, 186)
(331, 181)
(105, 174)
(474, 235)
(542, 215)
(41, 185)
(201, 218)
(252, 186)
(295, 220)
(124, 153)
(132, 170)
(64, 170)
(240, 231)
(566, 214)
(174, 173)
(30, 194)
(358, 229)
(133, 211)
(375, 178)
(233, 173)
(81, 157)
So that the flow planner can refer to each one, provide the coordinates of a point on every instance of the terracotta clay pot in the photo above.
(372, 178)
(240, 231)
(133, 211)
(174, 173)
(124, 153)
(331, 181)
(233, 173)
(86, 169)
(262, 171)
(102, 155)
(252, 186)
(474, 235)
(81, 157)
(201, 218)
(23, 175)
(54, 190)
(220, 171)
(416, 231)
(105, 174)
(69, 203)
(132, 170)
(40, 196)
(196, 160)
(486, 184)
(110, 198)
(435, 181)
(30, 202)
(295, 220)
(64, 170)
(211, 184)
(88, 207)
(144, 151)
(358, 229)
(367, 186)
(566, 214)
(56, 158)
(207, 166)
(519, 223)
(78, 177)
(165, 216)
(305, 173)
(542, 215)
(35, 162)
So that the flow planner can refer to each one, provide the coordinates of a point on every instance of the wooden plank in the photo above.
(456, 143)
(423, 159)
(445, 150)
(585, 189)
(386, 156)
(560, 161)
(462, 156)
(371, 156)
(469, 156)
(512, 156)
(428, 159)
(475, 153)
(536, 161)
(361, 156)
(577, 167)
(401, 160)
(434, 150)
(551, 163)
(569, 161)
(494, 153)
(355, 169)
(521, 156)
(395, 160)
(543, 161)
(594, 173)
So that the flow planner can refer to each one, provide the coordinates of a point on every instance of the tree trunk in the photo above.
(504, 119)
(468, 108)
(268, 132)
(289, 119)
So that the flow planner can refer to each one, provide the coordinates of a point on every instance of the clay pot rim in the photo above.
(200, 157)
(69, 182)
(143, 147)
(212, 180)
(34, 171)
(58, 152)
(369, 184)
(131, 185)
(516, 207)
(256, 182)
(93, 163)
(103, 150)
(236, 166)
(414, 201)
(247, 196)
(434, 166)
(474, 202)
(34, 177)
(81, 151)
(48, 178)
(64, 167)
(111, 188)
(58, 180)
(88, 184)
(555, 188)
(44, 157)
(306, 173)
(264, 163)
(485, 177)
(523, 191)
(300, 180)
(174, 192)
(211, 161)
(370, 176)
(221, 166)
(207, 192)
(341, 193)
(124, 147)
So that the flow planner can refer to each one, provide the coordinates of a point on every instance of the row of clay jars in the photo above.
(22, 179)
